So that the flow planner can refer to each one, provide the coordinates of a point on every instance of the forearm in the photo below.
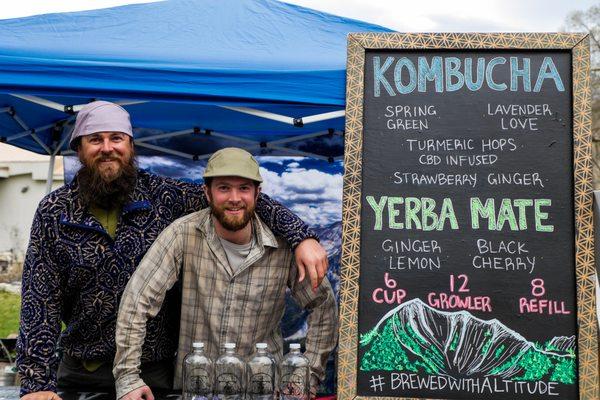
(41, 305)
(36, 361)
(129, 338)
(282, 221)
(36, 375)
(127, 384)
(142, 299)
(321, 336)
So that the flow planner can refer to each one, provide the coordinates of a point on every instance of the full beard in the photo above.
(104, 190)
(229, 222)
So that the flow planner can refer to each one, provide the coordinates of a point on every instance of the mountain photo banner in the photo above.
(467, 231)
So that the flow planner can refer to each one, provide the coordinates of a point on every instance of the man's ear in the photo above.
(206, 191)
(258, 189)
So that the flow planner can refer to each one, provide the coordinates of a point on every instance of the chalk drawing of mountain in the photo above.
(563, 344)
(415, 337)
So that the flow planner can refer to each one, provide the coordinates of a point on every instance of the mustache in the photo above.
(236, 206)
(107, 158)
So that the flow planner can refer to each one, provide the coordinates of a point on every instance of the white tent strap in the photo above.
(231, 137)
(185, 155)
(285, 119)
(165, 135)
(164, 150)
(196, 131)
(6, 110)
(302, 137)
(206, 156)
(298, 152)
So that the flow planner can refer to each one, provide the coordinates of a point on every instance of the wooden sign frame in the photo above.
(578, 45)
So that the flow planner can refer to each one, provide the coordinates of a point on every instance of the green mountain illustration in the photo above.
(417, 338)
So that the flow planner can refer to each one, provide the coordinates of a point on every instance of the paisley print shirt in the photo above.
(74, 272)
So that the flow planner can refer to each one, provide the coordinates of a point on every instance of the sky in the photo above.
(401, 15)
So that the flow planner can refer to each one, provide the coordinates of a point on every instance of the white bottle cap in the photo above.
(262, 346)
(294, 346)
(230, 346)
(198, 345)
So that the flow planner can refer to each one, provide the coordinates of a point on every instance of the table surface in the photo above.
(12, 393)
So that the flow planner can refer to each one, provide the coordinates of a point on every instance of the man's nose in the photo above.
(106, 146)
(234, 196)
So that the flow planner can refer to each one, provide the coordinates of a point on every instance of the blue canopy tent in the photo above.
(195, 75)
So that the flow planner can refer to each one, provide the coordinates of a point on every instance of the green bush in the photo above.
(10, 306)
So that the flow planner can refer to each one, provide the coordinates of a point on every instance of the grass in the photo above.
(10, 306)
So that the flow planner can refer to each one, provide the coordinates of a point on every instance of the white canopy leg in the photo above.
(50, 179)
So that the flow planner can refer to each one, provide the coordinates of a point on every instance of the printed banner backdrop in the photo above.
(310, 188)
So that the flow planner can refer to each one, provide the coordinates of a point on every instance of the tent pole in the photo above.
(262, 114)
(78, 107)
(323, 117)
(40, 101)
(50, 178)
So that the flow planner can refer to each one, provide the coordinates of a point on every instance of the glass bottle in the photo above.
(261, 374)
(197, 374)
(229, 375)
(295, 375)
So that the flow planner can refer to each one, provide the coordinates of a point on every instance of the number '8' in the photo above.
(537, 287)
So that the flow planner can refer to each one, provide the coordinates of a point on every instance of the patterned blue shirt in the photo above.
(74, 272)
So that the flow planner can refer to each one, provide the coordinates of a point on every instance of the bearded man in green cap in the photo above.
(233, 273)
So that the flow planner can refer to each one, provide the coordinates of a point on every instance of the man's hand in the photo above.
(314, 384)
(311, 257)
(313, 392)
(141, 393)
(47, 395)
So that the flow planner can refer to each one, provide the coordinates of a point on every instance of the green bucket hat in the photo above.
(232, 161)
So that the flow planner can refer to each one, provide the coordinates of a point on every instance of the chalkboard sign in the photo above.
(467, 223)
